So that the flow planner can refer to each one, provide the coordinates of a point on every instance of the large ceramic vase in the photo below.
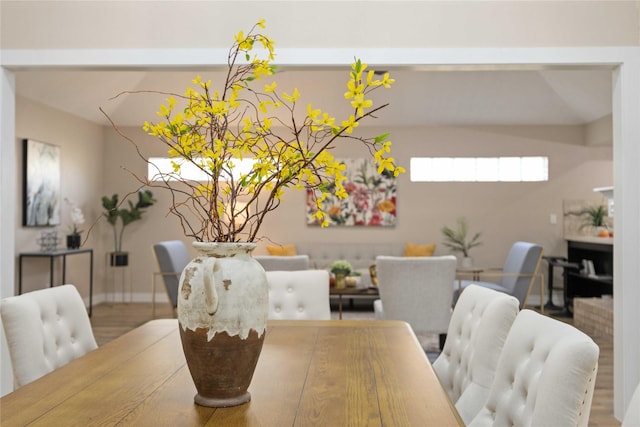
(222, 310)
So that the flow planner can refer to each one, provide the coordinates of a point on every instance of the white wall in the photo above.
(81, 145)
(7, 213)
(311, 24)
(503, 212)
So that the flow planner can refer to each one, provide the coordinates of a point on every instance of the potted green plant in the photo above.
(341, 269)
(114, 212)
(456, 240)
(594, 216)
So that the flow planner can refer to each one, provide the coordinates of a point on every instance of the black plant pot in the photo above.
(119, 259)
(73, 241)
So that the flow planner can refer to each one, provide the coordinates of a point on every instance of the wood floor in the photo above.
(112, 320)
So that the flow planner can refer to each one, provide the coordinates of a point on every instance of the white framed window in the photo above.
(159, 166)
(479, 169)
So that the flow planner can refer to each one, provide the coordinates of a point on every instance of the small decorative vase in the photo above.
(340, 281)
(73, 241)
(119, 259)
(467, 262)
(352, 281)
(223, 302)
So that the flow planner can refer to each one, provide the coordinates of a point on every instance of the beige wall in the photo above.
(81, 145)
(503, 212)
(198, 24)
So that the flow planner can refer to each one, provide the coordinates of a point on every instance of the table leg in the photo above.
(51, 271)
(153, 295)
(340, 306)
(20, 276)
(549, 305)
(90, 282)
(64, 269)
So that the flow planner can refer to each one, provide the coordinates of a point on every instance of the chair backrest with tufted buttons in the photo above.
(632, 415)
(479, 326)
(299, 295)
(545, 376)
(45, 330)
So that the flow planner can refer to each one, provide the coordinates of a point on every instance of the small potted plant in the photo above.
(341, 269)
(594, 218)
(119, 258)
(77, 218)
(456, 240)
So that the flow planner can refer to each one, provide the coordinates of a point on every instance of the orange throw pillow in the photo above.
(282, 250)
(411, 249)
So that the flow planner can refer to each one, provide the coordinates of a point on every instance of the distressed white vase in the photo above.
(222, 310)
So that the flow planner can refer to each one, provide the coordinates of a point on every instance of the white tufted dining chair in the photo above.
(545, 376)
(45, 330)
(299, 295)
(632, 415)
(479, 326)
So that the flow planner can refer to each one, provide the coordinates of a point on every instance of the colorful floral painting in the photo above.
(371, 201)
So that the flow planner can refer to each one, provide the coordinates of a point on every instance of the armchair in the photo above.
(172, 257)
(517, 276)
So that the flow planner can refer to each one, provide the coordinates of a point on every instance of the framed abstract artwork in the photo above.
(371, 200)
(41, 184)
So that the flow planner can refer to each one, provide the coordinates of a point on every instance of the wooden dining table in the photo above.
(310, 373)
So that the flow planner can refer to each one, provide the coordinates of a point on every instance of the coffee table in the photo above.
(473, 271)
(351, 292)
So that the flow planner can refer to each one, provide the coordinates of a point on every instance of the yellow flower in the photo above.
(370, 75)
(386, 81)
(359, 103)
(398, 170)
(217, 129)
(354, 89)
(311, 113)
(350, 124)
(292, 98)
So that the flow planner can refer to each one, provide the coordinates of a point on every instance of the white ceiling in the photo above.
(418, 98)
